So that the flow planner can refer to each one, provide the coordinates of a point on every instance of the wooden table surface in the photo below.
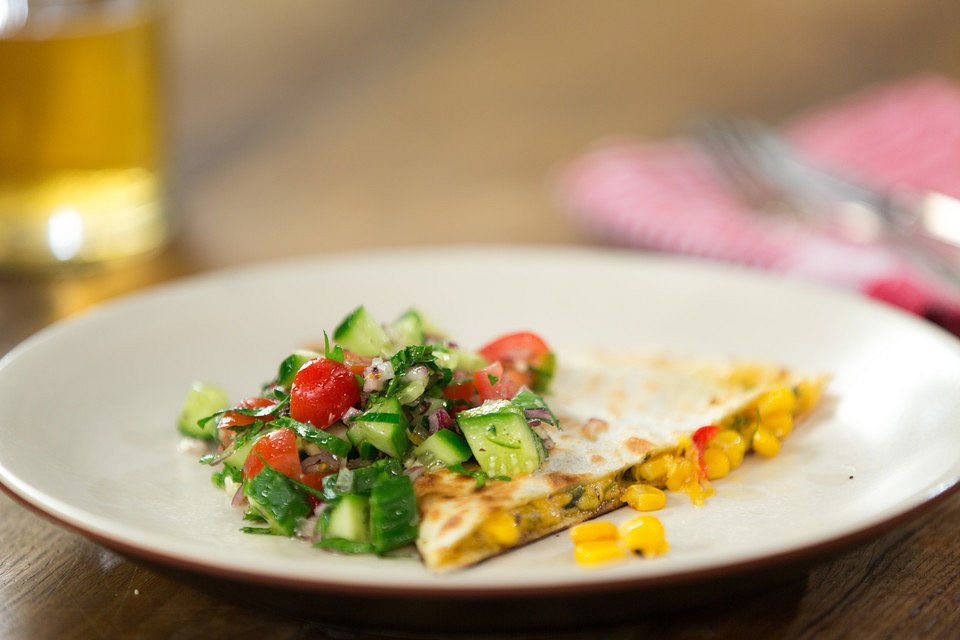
(304, 127)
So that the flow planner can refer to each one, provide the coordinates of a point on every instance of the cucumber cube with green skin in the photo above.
(407, 330)
(384, 426)
(459, 359)
(292, 363)
(202, 400)
(362, 334)
(500, 438)
(393, 513)
(275, 497)
(443, 449)
(349, 519)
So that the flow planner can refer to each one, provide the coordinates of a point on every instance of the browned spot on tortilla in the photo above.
(596, 459)
(637, 445)
(453, 522)
(558, 479)
(594, 427)
(714, 401)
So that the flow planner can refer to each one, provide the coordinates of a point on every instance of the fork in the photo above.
(769, 174)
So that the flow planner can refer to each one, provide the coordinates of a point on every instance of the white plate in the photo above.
(88, 406)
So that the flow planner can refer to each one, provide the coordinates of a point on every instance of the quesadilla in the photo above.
(623, 420)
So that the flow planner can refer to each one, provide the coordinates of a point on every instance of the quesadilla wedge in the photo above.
(391, 435)
(623, 420)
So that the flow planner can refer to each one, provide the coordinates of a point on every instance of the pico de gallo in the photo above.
(331, 446)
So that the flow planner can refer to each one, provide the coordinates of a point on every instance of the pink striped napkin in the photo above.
(666, 196)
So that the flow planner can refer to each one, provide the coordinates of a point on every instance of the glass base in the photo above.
(80, 218)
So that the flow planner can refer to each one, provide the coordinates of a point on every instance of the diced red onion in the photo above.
(534, 422)
(438, 420)
(376, 375)
(537, 414)
(548, 442)
(238, 498)
(325, 457)
(349, 413)
(415, 472)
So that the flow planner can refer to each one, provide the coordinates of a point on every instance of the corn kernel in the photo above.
(779, 425)
(776, 402)
(503, 528)
(765, 443)
(549, 513)
(594, 532)
(717, 463)
(561, 499)
(807, 393)
(646, 535)
(644, 497)
(683, 472)
(596, 552)
(655, 469)
(732, 444)
(590, 499)
(698, 491)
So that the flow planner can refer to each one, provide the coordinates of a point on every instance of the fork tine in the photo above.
(735, 161)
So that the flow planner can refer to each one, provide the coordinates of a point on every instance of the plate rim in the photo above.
(809, 552)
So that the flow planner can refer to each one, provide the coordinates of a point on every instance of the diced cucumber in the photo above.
(350, 519)
(202, 400)
(500, 438)
(276, 498)
(406, 330)
(393, 513)
(459, 359)
(359, 480)
(443, 449)
(384, 426)
(292, 363)
(362, 334)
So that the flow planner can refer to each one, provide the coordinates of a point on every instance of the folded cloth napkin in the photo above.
(667, 196)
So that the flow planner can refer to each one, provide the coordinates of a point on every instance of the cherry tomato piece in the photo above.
(492, 384)
(279, 450)
(231, 419)
(522, 346)
(322, 391)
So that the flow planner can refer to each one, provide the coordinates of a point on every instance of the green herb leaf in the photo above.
(280, 500)
(266, 531)
(526, 399)
(310, 433)
(493, 379)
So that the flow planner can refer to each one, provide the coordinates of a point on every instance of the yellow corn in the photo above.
(807, 393)
(594, 532)
(549, 512)
(503, 528)
(656, 468)
(596, 552)
(682, 473)
(732, 444)
(765, 443)
(590, 499)
(645, 534)
(779, 425)
(561, 499)
(776, 402)
(644, 497)
(717, 463)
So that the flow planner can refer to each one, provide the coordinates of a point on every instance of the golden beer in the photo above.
(80, 134)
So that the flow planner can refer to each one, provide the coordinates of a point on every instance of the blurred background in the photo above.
(303, 127)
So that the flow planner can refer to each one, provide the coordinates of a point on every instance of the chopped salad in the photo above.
(330, 447)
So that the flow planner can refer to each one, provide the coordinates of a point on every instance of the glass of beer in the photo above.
(81, 144)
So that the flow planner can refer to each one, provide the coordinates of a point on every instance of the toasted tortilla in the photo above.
(616, 411)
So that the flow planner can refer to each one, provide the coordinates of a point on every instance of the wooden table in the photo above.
(325, 127)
